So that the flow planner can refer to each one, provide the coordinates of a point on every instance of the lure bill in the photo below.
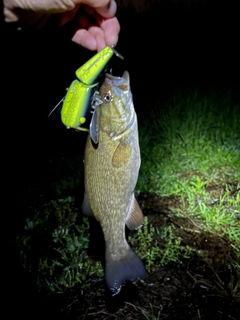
(82, 95)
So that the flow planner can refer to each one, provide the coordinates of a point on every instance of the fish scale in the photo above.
(111, 172)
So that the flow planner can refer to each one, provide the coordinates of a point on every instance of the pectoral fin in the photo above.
(135, 216)
(121, 155)
(86, 209)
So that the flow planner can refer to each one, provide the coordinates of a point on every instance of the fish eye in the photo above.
(107, 98)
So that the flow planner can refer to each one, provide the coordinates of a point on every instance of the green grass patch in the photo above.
(190, 147)
(53, 248)
(191, 134)
(158, 248)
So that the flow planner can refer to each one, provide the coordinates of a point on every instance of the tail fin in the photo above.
(129, 267)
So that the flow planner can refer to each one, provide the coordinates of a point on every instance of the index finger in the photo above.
(111, 29)
(106, 20)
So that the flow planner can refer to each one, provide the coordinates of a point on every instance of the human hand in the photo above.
(94, 21)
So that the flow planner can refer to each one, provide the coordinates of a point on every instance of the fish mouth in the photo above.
(125, 76)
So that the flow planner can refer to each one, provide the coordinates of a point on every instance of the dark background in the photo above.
(171, 45)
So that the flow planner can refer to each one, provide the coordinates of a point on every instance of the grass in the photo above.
(53, 248)
(191, 134)
(194, 154)
(158, 248)
(190, 147)
(153, 315)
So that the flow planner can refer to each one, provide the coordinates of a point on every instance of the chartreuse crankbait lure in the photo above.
(81, 95)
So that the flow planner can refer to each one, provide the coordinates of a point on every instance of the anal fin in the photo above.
(135, 216)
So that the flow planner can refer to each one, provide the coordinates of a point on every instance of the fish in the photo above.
(111, 165)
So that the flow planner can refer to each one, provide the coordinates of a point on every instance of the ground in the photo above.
(204, 286)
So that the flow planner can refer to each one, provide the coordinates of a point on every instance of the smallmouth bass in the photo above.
(112, 162)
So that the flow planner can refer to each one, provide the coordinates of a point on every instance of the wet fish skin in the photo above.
(111, 172)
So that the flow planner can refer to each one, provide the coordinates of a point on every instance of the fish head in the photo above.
(117, 110)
